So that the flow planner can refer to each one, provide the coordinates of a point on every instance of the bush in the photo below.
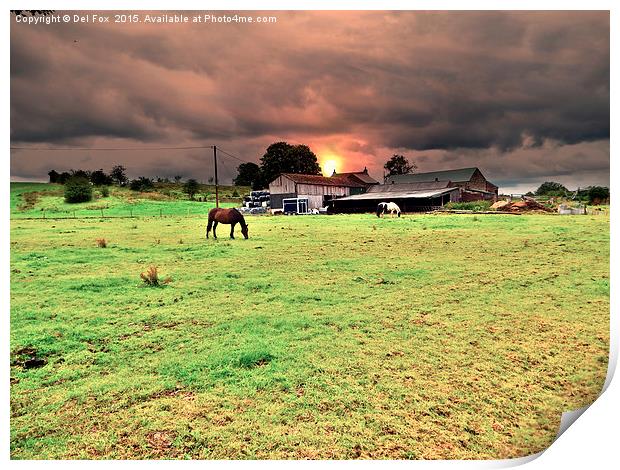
(598, 194)
(78, 189)
(475, 206)
(151, 278)
(142, 184)
(191, 187)
(105, 191)
(551, 188)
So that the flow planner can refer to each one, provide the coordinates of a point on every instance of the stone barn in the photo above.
(472, 184)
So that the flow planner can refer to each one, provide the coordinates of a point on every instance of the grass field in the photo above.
(425, 337)
(167, 199)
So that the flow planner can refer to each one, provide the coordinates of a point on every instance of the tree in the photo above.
(99, 178)
(551, 188)
(80, 174)
(53, 176)
(399, 165)
(282, 157)
(118, 175)
(191, 187)
(598, 194)
(248, 174)
(177, 179)
(142, 184)
(78, 189)
(64, 177)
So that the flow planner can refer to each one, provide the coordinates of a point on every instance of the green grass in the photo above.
(425, 337)
(476, 206)
(167, 200)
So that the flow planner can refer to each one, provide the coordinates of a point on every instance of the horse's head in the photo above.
(244, 231)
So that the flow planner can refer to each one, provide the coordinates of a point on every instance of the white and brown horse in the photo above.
(390, 207)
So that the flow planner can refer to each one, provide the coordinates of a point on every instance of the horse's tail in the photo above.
(379, 209)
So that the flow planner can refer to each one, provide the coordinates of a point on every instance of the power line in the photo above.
(115, 148)
(233, 156)
(130, 149)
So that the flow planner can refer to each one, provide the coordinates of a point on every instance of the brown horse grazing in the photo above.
(226, 216)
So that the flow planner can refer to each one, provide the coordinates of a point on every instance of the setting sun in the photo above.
(329, 166)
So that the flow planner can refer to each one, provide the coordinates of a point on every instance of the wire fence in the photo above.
(115, 213)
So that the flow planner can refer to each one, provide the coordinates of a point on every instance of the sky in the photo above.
(524, 96)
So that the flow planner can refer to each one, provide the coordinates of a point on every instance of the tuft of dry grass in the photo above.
(102, 243)
(151, 277)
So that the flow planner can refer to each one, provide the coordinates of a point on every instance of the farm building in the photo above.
(410, 197)
(318, 190)
(472, 184)
(361, 176)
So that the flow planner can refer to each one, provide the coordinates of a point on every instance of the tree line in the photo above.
(282, 157)
(591, 194)
(78, 184)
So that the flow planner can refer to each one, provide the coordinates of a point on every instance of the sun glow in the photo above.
(329, 166)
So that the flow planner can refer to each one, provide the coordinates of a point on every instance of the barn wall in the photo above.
(315, 189)
(492, 188)
(467, 196)
(315, 201)
(282, 185)
(477, 181)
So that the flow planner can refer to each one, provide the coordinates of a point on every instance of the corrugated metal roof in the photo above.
(423, 185)
(323, 180)
(387, 195)
(458, 176)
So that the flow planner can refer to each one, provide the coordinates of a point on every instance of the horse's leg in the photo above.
(214, 227)
(232, 230)
(209, 225)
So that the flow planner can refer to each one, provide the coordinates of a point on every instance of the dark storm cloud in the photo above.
(360, 82)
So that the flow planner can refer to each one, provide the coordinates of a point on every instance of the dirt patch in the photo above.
(160, 441)
(27, 358)
(29, 200)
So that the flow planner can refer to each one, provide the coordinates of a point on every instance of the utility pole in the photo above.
(217, 194)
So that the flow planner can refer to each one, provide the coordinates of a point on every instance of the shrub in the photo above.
(102, 243)
(151, 278)
(191, 187)
(551, 188)
(105, 191)
(598, 194)
(30, 200)
(475, 206)
(78, 189)
(142, 184)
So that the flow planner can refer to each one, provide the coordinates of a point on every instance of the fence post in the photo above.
(160, 212)
(131, 212)
(44, 214)
(102, 212)
(74, 214)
